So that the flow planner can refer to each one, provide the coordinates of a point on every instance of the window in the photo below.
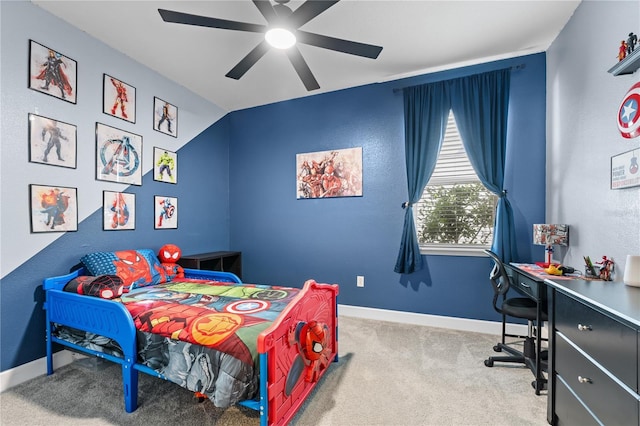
(456, 212)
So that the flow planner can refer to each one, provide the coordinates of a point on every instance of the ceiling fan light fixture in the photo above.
(280, 38)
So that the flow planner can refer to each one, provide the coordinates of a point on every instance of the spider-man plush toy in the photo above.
(169, 255)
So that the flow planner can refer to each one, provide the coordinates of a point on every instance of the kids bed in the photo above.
(264, 347)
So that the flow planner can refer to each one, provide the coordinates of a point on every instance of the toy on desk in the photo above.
(606, 269)
(554, 269)
(589, 268)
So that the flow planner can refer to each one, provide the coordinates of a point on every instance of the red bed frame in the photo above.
(292, 363)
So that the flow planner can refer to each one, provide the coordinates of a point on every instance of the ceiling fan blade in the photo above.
(264, 6)
(248, 61)
(205, 21)
(309, 10)
(303, 70)
(339, 45)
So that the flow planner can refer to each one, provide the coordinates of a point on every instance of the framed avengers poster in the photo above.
(329, 174)
(165, 117)
(165, 165)
(118, 99)
(118, 155)
(52, 142)
(53, 208)
(118, 211)
(166, 212)
(52, 73)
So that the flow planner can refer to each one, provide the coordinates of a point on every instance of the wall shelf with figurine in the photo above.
(630, 61)
(628, 65)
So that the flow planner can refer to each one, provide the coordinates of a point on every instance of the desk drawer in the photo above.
(526, 285)
(611, 403)
(611, 343)
(569, 410)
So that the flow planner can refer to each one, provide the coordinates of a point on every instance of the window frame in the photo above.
(444, 249)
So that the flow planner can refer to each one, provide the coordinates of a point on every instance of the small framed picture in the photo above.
(165, 117)
(118, 155)
(625, 171)
(165, 165)
(52, 142)
(118, 211)
(119, 99)
(53, 208)
(166, 212)
(52, 73)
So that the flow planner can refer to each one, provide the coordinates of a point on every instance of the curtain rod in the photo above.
(513, 68)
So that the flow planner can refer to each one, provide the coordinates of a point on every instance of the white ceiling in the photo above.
(417, 37)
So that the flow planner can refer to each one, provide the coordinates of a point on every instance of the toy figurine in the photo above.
(631, 43)
(606, 269)
(622, 51)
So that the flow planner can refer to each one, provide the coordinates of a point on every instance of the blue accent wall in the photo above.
(286, 241)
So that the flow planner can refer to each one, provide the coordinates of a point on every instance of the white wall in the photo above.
(582, 134)
(21, 21)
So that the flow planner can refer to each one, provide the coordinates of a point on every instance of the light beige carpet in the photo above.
(388, 374)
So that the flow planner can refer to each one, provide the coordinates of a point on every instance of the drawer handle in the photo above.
(584, 380)
(582, 327)
(525, 285)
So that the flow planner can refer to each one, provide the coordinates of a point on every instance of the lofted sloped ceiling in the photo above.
(417, 37)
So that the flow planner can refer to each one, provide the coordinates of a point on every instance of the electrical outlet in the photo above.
(360, 281)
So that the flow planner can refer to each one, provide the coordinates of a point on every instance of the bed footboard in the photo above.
(296, 351)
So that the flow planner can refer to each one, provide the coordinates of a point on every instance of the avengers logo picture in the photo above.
(118, 155)
(628, 114)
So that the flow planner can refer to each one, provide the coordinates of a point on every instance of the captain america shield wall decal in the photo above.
(628, 114)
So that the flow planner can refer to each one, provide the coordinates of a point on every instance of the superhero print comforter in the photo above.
(199, 334)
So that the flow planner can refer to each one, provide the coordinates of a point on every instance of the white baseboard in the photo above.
(453, 323)
(30, 370)
(22, 373)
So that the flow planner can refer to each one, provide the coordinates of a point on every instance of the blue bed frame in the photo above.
(111, 319)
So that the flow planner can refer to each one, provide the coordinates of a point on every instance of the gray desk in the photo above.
(593, 361)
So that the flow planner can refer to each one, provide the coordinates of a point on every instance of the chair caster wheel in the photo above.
(488, 362)
(497, 348)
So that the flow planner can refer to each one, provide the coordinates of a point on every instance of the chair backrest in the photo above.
(498, 277)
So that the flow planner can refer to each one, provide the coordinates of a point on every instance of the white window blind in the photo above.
(453, 165)
(455, 210)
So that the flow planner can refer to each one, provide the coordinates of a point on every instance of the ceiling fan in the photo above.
(279, 17)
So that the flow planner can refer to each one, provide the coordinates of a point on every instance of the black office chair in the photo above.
(517, 307)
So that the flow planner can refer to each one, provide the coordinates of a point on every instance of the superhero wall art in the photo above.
(119, 99)
(52, 73)
(118, 155)
(166, 212)
(118, 211)
(53, 208)
(327, 174)
(52, 142)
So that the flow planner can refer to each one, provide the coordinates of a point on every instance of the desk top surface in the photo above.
(537, 273)
(613, 297)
